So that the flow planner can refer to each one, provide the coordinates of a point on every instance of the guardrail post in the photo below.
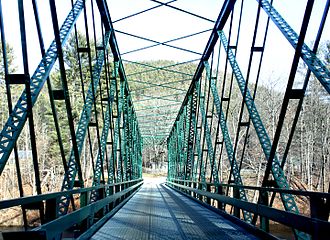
(101, 195)
(320, 210)
(83, 199)
(194, 185)
(191, 185)
(219, 190)
(110, 192)
(187, 184)
(122, 188)
(237, 210)
(127, 185)
(51, 209)
(208, 189)
(101, 192)
(264, 222)
(85, 224)
(117, 189)
(200, 187)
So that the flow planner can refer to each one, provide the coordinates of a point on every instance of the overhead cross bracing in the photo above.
(161, 30)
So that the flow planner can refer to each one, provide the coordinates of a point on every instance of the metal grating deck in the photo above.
(158, 212)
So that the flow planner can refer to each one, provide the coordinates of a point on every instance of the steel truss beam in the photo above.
(312, 61)
(203, 127)
(126, 140)
(227, 140)
(157, 44)
(184, 11)
(15, 123)
(101, 155)
(83, 124)
(143, 11)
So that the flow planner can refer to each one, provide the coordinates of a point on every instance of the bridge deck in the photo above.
(158, 212)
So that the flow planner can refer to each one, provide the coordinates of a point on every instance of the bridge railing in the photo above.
(315, 223)
(223, 132)
(82, 222)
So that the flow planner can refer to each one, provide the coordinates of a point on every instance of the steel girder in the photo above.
(320, 71)
(308, 56)
(83, 124)
(130, 142)
(287, 199)
(104, 138)
(227, 140)
(15, 123)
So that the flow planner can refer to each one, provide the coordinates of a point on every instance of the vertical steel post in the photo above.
(29, 105)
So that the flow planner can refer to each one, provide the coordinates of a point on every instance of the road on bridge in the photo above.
(158, 212)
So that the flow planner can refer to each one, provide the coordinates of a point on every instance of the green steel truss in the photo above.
(82, 127)
(202, 135)
(227, 139)
(15, 123)
(130, 140)
(288, 200)
(319, 69)
(196, 143)
(179, 153)
(104, 140)
(108, 90)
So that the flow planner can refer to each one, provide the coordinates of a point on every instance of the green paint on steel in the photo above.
(164, 84)
(227, 140)
(158, 97)
(100, 156)
(265, 142)
(160, 106)
(159, 115)
(17, 118)
(320, 71)
(84, 120)
(156, 85)
(209, 144)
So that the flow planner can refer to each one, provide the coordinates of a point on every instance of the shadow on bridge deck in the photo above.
(158, 212)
